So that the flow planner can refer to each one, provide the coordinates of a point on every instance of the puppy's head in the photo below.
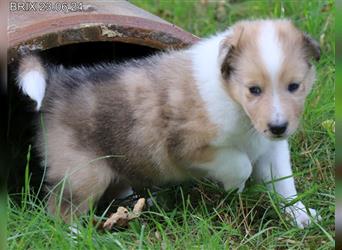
(266, 68)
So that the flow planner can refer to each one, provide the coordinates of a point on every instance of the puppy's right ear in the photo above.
(228, 50)
(226, 56)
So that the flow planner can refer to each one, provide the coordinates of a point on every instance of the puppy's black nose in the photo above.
(278, 129)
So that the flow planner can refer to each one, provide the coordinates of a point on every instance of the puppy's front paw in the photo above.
(300, 216)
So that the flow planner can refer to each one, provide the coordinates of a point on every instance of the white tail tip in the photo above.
(33, 84)
(31, 79)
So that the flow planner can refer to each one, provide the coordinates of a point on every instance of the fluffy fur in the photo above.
(176, 115)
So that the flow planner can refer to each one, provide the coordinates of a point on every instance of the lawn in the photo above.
(202, 215)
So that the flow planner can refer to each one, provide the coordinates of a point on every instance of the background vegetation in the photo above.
(203, 216)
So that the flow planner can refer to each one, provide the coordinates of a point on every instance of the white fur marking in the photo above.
(272, 56)
(221, 108)
(33, 84)
(270, 50)
(277, 113)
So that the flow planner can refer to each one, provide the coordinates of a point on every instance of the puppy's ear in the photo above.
(226, 56)
(312, 48)
(228, 50)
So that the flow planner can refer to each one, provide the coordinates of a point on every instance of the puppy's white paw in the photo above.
(300, 216)
(232, 186)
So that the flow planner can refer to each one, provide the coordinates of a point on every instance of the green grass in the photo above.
(204, 216)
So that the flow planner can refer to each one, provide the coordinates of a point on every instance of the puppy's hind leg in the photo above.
(75, 176)
(79, 188)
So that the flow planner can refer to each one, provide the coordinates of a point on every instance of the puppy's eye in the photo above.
(293, 87)
(255, 90)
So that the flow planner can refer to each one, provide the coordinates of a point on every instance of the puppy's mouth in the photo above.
(274, 137)
(278, 137)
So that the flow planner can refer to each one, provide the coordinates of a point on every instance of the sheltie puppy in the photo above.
(222, 109)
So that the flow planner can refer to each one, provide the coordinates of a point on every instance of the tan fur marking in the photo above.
(173, 125)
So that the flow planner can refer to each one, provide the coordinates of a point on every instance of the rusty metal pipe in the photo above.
(97, 21)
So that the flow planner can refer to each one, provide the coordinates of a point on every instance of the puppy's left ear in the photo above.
(311, 46)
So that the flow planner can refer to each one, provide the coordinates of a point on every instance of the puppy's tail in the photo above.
(32, 78)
